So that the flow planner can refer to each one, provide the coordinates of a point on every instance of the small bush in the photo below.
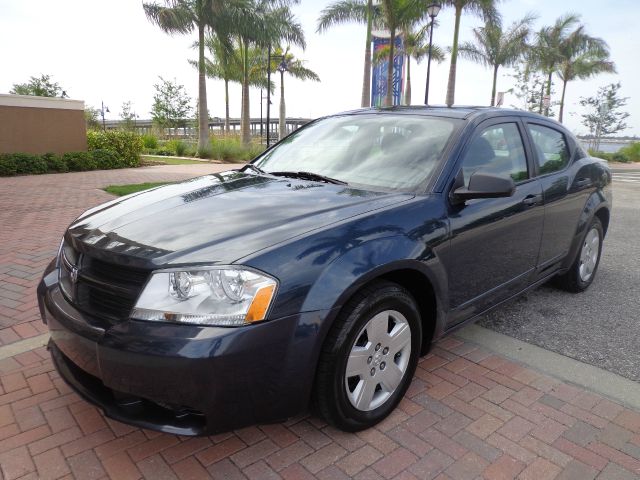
(55, 163)
(149, 141)
(30, 164)
(163, 152)
(106, 159)
(8, 165)
(79, 161)
(631, 152)
(178, 147)
(126, 145)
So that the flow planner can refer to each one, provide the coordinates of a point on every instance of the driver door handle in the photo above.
(531, 200)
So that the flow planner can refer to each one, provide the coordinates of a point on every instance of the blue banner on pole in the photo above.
(380, 71)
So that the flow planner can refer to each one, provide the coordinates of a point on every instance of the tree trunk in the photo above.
(392, 52)
(407, 92)
(564, 91)
(495, 82)
(366, 78)
(282, 126)
(245, 122)
(546, 109)
(227, 122)
(451, 86)
(203, 113)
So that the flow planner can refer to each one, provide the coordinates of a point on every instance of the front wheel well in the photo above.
(422, 291)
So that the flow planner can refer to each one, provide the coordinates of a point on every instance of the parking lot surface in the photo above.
(602, 325)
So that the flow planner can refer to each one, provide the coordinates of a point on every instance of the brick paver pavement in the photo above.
(34, 212)
(469, 414)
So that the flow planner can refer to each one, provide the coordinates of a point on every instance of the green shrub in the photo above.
(149, 141)
(230, 149)
(30, 164)
(163, 152)
(79, 161)
(55, 163)
(106, 159)
(7, 165)
(127, 145)
(631, 152)
(178, 147)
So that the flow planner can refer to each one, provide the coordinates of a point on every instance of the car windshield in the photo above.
(389, 152)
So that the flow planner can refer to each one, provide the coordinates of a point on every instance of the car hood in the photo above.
(218, 218)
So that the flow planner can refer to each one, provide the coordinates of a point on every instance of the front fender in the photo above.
(373, 259)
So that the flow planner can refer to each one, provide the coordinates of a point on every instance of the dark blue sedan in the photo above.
(319, 273)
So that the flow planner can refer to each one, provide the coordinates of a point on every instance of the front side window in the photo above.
(498, 150)
(551, 148)
(387, 151)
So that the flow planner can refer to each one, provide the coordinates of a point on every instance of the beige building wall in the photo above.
(40, 125)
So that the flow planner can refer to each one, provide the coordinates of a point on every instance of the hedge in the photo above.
(25, 164)
(628, 154)
(126, 145)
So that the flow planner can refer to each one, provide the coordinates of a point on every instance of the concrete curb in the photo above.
(567, 369)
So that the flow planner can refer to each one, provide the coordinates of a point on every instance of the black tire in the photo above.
(572, 281)
(330, 392)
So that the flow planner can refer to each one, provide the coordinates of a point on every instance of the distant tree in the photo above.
(91, 118)
(171, 104)
(128, 116)
(604, 114)
(495, 47)
(42, 86)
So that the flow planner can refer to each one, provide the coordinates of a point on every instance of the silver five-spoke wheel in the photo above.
(589, 255)
(378, 360)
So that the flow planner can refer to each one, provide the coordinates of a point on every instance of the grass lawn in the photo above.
(170, 161)
(121, 190)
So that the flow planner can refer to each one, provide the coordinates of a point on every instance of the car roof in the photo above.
(461, 112)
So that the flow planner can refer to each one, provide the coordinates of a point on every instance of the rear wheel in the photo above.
(583, 270)
(369, 357)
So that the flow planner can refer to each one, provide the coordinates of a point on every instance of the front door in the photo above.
(494, 242)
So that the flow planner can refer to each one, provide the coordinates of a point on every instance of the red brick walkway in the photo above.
(35, 211)
(468, 415)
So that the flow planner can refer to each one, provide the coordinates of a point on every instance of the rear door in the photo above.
(566, 186)
(495, 242)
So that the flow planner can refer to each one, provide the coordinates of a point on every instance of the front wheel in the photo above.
(369, 357)
(583, 270)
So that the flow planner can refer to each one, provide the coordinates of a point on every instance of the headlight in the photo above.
(225, 296)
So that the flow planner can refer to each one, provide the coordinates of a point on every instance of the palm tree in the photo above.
(416, 46)
(184, 16)
(266, 23)
(582, 57)
(547, 52)
(484, 8)
(295, 67)
(360, 11)
(496, 48)
(398, 16)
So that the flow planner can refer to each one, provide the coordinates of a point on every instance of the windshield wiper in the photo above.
(252, 167)
(309, 176)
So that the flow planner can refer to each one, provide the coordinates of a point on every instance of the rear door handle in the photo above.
(583, 182)
(531, 200)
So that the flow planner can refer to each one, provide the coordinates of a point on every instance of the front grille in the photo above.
(106, 291)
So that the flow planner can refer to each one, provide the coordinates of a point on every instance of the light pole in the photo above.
(432, 11)
(103, 110)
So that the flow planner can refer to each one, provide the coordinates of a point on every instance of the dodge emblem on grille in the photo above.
(73, 275)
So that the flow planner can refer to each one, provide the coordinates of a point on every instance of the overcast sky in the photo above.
(108, 51)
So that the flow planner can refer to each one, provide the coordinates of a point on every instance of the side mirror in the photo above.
(484, 185)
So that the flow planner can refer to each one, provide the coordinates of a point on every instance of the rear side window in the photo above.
(551, 148)
(497, 149)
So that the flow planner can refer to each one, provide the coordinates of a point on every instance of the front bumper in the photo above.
(184, 379)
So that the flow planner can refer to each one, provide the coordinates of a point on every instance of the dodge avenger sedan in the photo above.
(320, 272)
